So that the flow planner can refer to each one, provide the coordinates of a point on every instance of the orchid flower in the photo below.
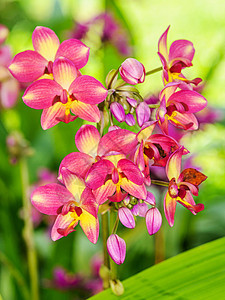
(71, 203)
(180, 56)
(182, 185)
(31, 65)
(132, 71)
(67, 92)
(178, 108)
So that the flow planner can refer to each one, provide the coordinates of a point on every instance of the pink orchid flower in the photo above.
(30, 65)
(132, 71)
(67, 92)
(109, 175)
(178, 108)
(71, 203)
(180, 56)
(182, 186)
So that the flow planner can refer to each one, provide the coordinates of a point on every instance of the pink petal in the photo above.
(75, 51)
(138, 191)
(90, 226)
(181, 48)
(117, 111)
(88, 202)
(143, 113)
(153, 220)
(88, 90)
(191, 100)
(120, 140)
(189, 203)
(126, 217)
(28, 66)
(193, 189)
(4, 31)
(162, 45)
(52, 115)
(104, 192)
(73, 183)
(87, 139)
(150, 198)
(139, 158)
(62, 222)
(173, 165)
(76, 162)
(169, 208)
(49, 198)
(146, 131)
(184, 121)
(45, 42)
(64, 72)
(130, 120)
(131, 171)
(132, 71)
(41, 93)
(9, 92)
(85, 111)
(116, 247)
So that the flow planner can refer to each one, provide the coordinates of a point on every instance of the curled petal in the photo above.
(64, 72)
(49, 198)
(52, 115)
(90, 226)
(189, 203)
(45, 42)
(126, 217)
(41, 93)
(86, 111)
(143, 113)
(169, 208)
(28, 66)
(63, 225)
(184, 121)
(87, 89)
(74, 50)
(181, 49)
(87, 139)
(150, 198)
(153, 220)
(116, 247)
(130, 170)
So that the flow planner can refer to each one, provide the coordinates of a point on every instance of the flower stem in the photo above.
(105, 235)
(159, 182)
(153, 105)
(28, 231)
(114, 222)
(153, 71)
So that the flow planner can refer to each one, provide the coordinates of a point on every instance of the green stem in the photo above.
(153, 105)
(153, 71)
(113, 228)
(16, 274)
(28, 231)
(159, 182)
(160, 241)
(105, 235)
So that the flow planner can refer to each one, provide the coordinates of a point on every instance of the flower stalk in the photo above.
(153, 71)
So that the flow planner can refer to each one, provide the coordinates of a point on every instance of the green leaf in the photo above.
(196, 274)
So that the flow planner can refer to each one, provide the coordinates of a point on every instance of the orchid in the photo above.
(31, 65)
(180, 56)
(181, 186)
(67, 92)
(71, 203)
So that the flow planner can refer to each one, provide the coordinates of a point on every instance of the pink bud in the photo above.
(132, 102)
(130, 120)
(126, 217)
(118, 111)
(153, 220)
(143, 113)
(116, 247)
(132, 71)
(150, 198)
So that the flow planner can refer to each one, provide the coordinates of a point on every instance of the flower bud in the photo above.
(153, 220)
(116, 247)
(126, 217)
(117, 287)
(150, 198)
(118, 111)
(132, 71)
(143, 113)
(130, 120)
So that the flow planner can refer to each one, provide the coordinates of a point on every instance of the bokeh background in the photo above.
(140, 24)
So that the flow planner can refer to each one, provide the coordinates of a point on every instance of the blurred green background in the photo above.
(144, 21)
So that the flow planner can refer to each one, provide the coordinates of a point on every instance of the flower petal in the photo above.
(64, 72)
(90, 226)
(162, 45)
(116, 247)
(143, 113)
(138, 191)
(74, 50)
(87, 139)
(49, 198)
(52, 115)
(45, 42)
(9, 92)
(104, 192)
(62, 224)
(88, 202)
(28, 66)
(131, 171)
(184, 121)
(88, 90)
(86, 111)
(173, 165)
(41, 93)
(153, 220)
(169, 208)
(126, 217)
(181, 49)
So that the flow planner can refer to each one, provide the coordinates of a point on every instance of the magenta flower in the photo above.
(68, 92)
(30, 65)
(132, 71)
(178, 108)
(180, 56)
(72, 203)
(116, 247)
(181, 186)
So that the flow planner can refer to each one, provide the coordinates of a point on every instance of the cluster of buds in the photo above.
(111, 172)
